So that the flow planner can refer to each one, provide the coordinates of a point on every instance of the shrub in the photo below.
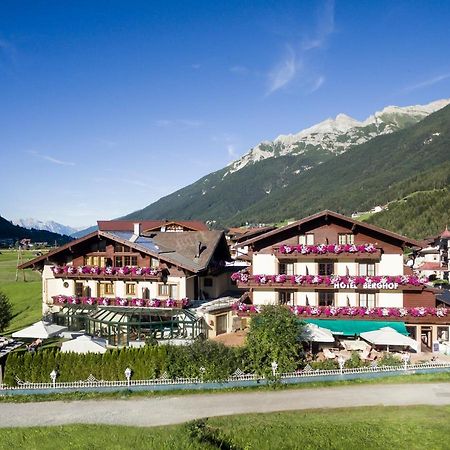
(5, 312)
(274, 336)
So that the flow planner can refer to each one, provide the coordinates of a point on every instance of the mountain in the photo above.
(369, 174)
(15, 232)
(335, 136)
(339, 164)
(48, 225)
(84, 232)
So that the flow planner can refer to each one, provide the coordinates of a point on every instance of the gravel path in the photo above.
(167, 410)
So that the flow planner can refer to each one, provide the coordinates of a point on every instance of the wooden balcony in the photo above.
(343, 256)
(108, 273)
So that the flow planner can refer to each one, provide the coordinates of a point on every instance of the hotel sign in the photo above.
(366, 285)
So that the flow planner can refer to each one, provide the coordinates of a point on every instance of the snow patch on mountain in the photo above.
(337, 135)
(48, 225)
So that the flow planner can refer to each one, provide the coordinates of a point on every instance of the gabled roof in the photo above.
(253, 232)
(149, 225)
(326, 213)
(179, 249)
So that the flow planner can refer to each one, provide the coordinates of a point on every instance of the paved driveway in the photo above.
(166, 410)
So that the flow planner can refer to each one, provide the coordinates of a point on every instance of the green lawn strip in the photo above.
(377, 427)
(25, 296)
(419, 378)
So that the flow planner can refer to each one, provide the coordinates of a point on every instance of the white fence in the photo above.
(236, 379)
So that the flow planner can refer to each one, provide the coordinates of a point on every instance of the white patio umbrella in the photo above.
(40, 330)
(314, 333)
(84, 344)
(388, 336)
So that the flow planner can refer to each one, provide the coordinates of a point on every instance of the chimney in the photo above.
(136, 232)
(200, 248)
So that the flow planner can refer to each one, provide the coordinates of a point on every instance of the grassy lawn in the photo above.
(350, 428)
(26, 295)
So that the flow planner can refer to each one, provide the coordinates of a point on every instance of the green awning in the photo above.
(356, 327)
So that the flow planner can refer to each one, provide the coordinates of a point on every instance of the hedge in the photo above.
(217, 360)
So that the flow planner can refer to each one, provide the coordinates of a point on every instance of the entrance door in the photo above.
(221, 324)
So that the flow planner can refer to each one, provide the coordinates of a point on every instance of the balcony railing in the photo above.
(119, 301)
(95, 272)
(348, 312)
(327, 251)
(400, 282)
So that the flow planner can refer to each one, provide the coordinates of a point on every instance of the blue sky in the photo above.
(105, 106)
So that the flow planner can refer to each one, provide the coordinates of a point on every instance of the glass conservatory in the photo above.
(122, 326)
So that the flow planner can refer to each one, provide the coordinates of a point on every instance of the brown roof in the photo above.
(430, 265)
(47, 255)
(446, 233)
(183, 248)
(179, 249)
(326, 213)
(149, 225)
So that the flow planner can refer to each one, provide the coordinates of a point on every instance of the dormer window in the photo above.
(346, 238)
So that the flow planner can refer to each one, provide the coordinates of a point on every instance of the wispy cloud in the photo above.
(426, 83)
(317, 84)
(51, 159)
(241, 70)
(181, 124)
(294, 62)
(284, 72)
(325, 27)
(231, 150)
(107, 142)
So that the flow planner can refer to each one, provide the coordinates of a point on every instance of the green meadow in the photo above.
(25, 295)
(417, 427)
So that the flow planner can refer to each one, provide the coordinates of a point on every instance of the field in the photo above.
(352, 428)
(25, 296)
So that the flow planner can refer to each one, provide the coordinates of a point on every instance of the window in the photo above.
(367, 300)
(286, 268)
(95, 261)
(208, 282)
(106, 289)
(154, 263)
(118, 247)
(130, 289)
(146, 293)
(102, 246)
(118, 261)
(130, 260)
(326, 268)
(442, 333)
(306, 239)
(78, 289)
(367, 269)
(346, 238)
(167, 290)
(286, 298)
(326, 298)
